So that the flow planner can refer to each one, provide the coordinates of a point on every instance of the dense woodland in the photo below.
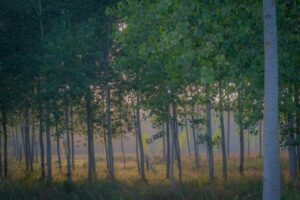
(100, 67)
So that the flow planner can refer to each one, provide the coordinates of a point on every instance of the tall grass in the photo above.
(25, 185)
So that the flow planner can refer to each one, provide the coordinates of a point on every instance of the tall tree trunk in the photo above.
(228, 133)
(32, 142)
(176, 143)
(41, 130)
(260, 140)
(164, 142)
(242, 157)
(72, 137)
(41, 141)
(57, 134)
(1, 175)
(27, 138)
(241, 128)
(209, 133)
(271, 186)
(106, 151)
(248, 143)
(297, 116)
(168, 149)
(187, 136)
(48, 141)
(123, 152)
(69, 165)
(224, 155)
(139, 131)
(291, 148)
(196, 151)
(91, 158)
(4, 126)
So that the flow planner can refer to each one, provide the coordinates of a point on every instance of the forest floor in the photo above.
(25, 185)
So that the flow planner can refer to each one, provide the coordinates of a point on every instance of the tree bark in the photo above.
(123, 152)
(140, 140)
(209, 134)
(168, 150)
(72, 137)
(271, 185)
(187, 136)
(41, 141)
(242, 157)
(291, 149)
(48, 141)
(176, 143)
(228, 133)
(91, 156)
(196, 151)
(4, 126)
(224, 155)
(57, 134)
(69, 165)
(260, 140)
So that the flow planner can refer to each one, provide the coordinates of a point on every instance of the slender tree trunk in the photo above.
(137, 152)
(297, 118)
(57, 134)
(176, 143)
(260, 140)
(171, 167)
(106, 151)
(27, 138)
(72, 137)
(4, 126)
(32, 141)
(196, 151)
(48, 140)
(168, 150)
(123, 152)
(223, 142)
(228, 133)
(242, 157)
(1, 174)
(139, 131)
(291, 149)
(69, 164)
(209, 133)
(248, 143)
(109, 136)
(40, 103)
(41, 140)
(91, 158)
(271, 186)
(164, 142)
(187, 136)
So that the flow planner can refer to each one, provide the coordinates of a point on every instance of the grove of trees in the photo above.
(100, 67)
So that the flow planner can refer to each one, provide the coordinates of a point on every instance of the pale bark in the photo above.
(187, 136)
(72, 137)
(48, 141)
(271, 185)
(140, 139)
(228, 133)
(41, 141)
(57, 134)
(168, 150)
(221, 117)
(209, 138)
(260, 140)
(196, 150)
(69, 167)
